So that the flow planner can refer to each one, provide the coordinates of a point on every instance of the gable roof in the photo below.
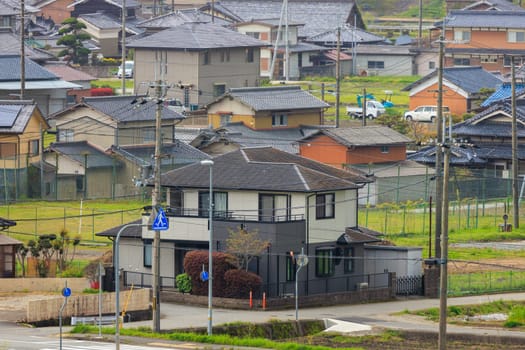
(15, 114)
(374, 135)
(469, 79)
(264, 169)
(123, 109)
(117, 3)
(196, 36)
(11, 69)
(485, 19)
(10, 45)
(284, 139)
(177, 153)
(274, 98)
(348, 36)
(5, 240)
(494, 121)
(66, 72)
(132, 231)
(84, 153)
(179, 17)
(503, 92)
(317, 16)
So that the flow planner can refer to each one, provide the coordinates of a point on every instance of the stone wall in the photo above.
(17, 285)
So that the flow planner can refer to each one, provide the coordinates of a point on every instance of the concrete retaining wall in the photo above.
(86, 305)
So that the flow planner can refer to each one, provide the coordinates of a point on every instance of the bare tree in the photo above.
(245, 246)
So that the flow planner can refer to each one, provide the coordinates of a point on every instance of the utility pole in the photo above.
(156, 200)
(420, 27)
(443, 283)
(123, 47)
(22, 50)
(439, 154)
(515, 164)
(337, 77)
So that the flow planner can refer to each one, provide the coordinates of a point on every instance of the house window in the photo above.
(219, 205)
(279, 119)
(274, 207)
(461, 35)
(507, 62)
(148, 252)
(325, 206)
(462, 61)
(65, 135)
(250, 55)
(225, 119)
(225, 55)
(176, 201)
(348, 260)
(431, 65)
(34, 147)
(206, 58)
(489, 59)
(219, 89)
(300, 59)
(148, 135)
(376, 64)
(385, 149)
(515, 36)
(6, 21)
(290, 268)
(48, 188)
(80, 183)
(324, 262)
(253, 34)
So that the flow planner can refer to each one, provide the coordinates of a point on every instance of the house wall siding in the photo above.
(457, 103)
(373, 154)
(393, 65)
(56, 10)
(88, 125)
(324, 149)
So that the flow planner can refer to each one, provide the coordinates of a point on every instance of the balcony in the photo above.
(192, 225)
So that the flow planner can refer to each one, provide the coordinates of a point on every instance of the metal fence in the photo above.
(486, 282)
(409, 285)
(281, 290)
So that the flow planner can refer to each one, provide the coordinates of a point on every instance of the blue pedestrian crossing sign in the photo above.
(161, 221)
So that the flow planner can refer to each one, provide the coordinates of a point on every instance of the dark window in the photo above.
(219, 89)
(385, 149)
(34, 147)
(290, 268)
(325, 206)
(249, 55)
(176, 201)
(80, 183)
(279, 119)
(431, 65)
(219, 205)
(376, 64)
(349, 260)
(462, 61)
(300, 59)
(324, 262)
(206, 57)
(148, 253)
(274, 207)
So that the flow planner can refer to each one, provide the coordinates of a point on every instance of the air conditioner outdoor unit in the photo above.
(362, 285)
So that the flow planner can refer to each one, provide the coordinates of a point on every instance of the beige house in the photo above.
(198, 61)
(267, 108)
(21, 130)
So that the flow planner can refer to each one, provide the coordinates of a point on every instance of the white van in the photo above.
(425, 114)
(128, 70)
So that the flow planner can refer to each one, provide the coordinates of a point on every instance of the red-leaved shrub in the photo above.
(239, 283)
(102, 91)
(193, 265)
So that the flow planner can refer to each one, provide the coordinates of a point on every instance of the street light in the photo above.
(209, 163)
(302, 260)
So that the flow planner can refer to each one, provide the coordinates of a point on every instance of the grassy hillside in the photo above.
(401, 8)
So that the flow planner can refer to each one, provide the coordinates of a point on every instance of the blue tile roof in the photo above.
(503, 92)
(11, 70)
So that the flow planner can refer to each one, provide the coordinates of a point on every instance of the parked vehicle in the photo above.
(373, 110)
(175, 105)
(425, 113)
(127, 69)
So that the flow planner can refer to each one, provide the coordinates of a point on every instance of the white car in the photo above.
(127, 70)
(425, 114)
(175, 105)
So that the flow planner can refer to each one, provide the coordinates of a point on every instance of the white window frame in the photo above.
(279, 119)
(516, 36)
(462, 35)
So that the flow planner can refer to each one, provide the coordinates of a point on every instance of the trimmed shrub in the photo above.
(239, 283)
(183, 283)
(197, 260)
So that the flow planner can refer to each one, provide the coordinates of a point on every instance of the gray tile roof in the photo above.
(5, 240)
(100, 21)
(12, 7)
(282, 139)
(264, 169)
(196, 36)
(20, 111)
(177, 153)
(10, 45)
(77, 152)
(134, 231)
(318, 16)
(349, 35)
(118, 3)
(304, 47)
(122, 109)
(179, 17)
(374, 135)
(11, 69)
(486, 19)
(470, 79)
(275, 98)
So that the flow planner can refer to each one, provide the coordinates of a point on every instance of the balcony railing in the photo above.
(231, 215)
